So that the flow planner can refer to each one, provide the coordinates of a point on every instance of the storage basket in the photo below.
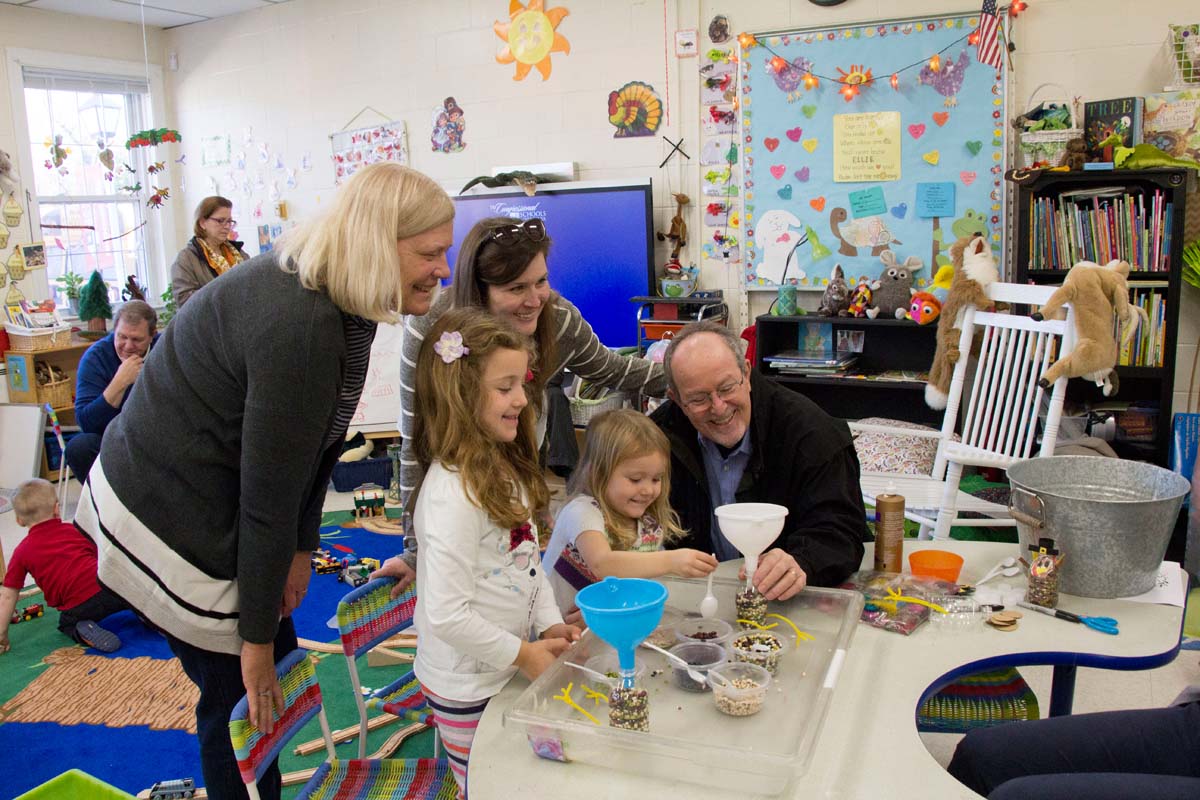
(56, 393)
(583, 410)
(349, 475)
(1048, 146)
(34, 340)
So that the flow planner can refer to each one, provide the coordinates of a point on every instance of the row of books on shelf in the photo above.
(1147, 347)
(26, 314)
(1100, 225)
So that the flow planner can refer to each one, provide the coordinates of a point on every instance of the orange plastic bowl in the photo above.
(940, 564)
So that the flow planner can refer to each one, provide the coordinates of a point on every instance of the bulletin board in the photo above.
(908, 166)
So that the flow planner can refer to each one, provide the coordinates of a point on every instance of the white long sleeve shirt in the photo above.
(480, 590)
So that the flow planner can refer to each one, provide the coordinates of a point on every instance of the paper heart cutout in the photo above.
(770, 144)
(967, 177)
(818, 203)
(941, 117)
(784, 237)
(801, 174)
(786, 192)
(899, 211)
(777, 170)
(794, 134)
(916, 131)
(808, 111)
(810, 144)
(974, 147)
(932, 157)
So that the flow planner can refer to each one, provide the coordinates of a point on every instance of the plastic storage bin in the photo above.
(349, 475)
(689, 739)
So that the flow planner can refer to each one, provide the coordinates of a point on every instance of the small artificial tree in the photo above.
(169, 308)
(94, 307)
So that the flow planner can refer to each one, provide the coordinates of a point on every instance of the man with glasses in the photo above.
(788, 451)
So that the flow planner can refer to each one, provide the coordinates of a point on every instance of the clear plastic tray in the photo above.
(689, 739)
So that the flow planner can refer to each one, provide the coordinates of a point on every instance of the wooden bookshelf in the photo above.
(1145, 384)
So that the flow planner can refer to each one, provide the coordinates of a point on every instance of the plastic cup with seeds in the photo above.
(763, 648)
(716, 631)
(664, 635)
(701, 656)
(739, 689)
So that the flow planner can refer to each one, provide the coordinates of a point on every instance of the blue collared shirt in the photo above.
(724, 475)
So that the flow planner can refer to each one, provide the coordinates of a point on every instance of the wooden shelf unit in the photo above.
(66, 358)
(1137, 383)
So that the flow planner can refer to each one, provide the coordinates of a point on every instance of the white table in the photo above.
(868, 747)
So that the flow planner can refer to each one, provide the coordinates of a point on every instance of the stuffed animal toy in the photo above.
(895, 290)
(974, 270)
(860, 300)
(1097, 293)
(941, 283)
(1076, 155)
(836, 299)
(924, 308)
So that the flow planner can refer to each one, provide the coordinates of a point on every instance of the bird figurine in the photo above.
(527, 181)
(947, 80)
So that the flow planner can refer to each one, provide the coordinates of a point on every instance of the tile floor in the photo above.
(1096, 690)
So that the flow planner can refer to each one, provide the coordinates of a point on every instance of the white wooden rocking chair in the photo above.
(1000, 415)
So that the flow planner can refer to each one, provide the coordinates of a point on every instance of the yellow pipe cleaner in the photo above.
(592, 694)
(750, 624)
(799, 633)
(566, 698)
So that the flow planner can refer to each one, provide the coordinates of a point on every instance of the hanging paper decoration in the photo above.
(157, 167)
(158, 198)
(58, 154)
(634, 110)
(853, 81)
(947, 78)
(448, 128)
(530, 36)
(718, 29)
(12, 211)
(106, 159)
(150, 138)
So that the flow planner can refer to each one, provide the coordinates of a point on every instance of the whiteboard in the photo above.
(22, 427)
(379, 405)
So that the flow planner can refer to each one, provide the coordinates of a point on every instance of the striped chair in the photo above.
(366, 617)
(393, 779)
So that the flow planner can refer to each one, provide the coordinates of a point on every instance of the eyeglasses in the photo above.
(224, 223)
(703, 402)
(532, 229)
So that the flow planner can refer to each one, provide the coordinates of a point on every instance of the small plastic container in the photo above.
(701, 656)
(664, 635)
(963, 614)
(763, 648)
(715, 631)
(940, 564)
(607, 664)
(739, 689)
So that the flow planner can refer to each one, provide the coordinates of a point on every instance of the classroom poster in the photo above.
(363, 146)
(840, 130)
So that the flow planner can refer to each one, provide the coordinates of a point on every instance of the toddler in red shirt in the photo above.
(62, 560)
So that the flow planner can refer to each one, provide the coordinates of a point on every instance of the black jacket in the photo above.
(802, 458)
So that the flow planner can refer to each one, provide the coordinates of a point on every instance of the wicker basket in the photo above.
(56, 393)
(1048, 146)
(34, 340)
(583, 410)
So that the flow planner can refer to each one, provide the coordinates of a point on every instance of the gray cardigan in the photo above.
(220, 449)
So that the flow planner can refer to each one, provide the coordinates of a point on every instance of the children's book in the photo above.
(1107, 123)
(816, 339)
(1172, 123)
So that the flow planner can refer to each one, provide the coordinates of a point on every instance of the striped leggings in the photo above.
(456, 722)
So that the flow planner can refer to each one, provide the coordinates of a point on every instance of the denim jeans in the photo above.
(219, 676)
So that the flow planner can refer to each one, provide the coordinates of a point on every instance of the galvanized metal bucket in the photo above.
(1111, 518)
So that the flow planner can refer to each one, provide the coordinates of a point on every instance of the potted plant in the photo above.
(94, 306)
(168, 309)
(70, 283)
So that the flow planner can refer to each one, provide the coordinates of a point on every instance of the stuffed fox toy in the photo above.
(1097, 293)
(974, 270)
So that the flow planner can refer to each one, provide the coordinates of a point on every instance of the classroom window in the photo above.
(88, 222)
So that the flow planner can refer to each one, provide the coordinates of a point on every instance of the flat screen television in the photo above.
(603, 247)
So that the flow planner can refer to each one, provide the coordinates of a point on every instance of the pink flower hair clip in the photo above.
(450, 347)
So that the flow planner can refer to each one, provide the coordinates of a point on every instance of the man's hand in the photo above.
(125, 376)
(778, 576)
(396, 567)
(297, 583)
(688, 563)
(562, 631)
(535, 657)
(263, 694)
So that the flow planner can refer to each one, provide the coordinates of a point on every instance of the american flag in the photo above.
(989, 44)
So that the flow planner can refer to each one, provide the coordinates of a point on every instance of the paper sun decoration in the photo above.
(530, 37)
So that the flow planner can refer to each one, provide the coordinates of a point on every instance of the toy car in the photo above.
(325, 566)
(354, 574)
(370, 563)
(29, 612)
(173, 790)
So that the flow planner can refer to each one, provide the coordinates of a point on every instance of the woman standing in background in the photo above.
(210, 253)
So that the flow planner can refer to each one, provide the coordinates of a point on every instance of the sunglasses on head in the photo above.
(531, 229)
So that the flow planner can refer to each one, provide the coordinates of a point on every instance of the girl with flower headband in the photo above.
(620, 516)
(501, 267)
(480, 585)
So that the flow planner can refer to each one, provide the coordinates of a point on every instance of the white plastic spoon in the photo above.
(708, 606)
(994, 571)
(695, 675)
(1007, 572)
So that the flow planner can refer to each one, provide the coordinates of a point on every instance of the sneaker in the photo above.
(93, 635)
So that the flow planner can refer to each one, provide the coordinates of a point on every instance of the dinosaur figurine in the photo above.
(526, 180)
(678, 232)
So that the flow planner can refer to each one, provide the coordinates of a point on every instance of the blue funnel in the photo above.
(622, 612)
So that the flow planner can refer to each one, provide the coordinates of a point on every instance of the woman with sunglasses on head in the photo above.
(501, 266)
(210, 253)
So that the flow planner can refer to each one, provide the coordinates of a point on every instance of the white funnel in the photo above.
(751, 527)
